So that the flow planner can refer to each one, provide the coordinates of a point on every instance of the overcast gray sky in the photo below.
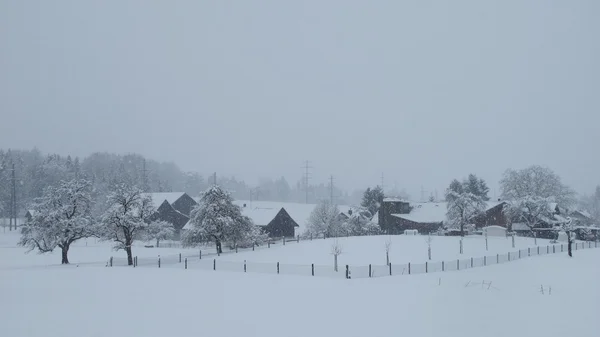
(422, 91)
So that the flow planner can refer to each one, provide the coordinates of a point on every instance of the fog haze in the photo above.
(421, 92)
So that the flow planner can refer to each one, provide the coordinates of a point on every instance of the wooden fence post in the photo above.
(134, 258)
(283, 240)
(471, 262)
(553, 249)
(409, 268)
(252, 246)
(442, 265)
(547, 249)
(497, 258)
(528, 251)
(538, 248)
(312, 266)
(277, 267)
(426, 267)
(269, 244)
(200, 254)
(298, 238)
(244, 266)
(214, 264)
(369, 270)
(179, 257)
(111, 261)
(508, 256)
(186, 263)
(236, 249)
(457, 264)
(347, 272)
(485, 260)
(390, 266)
(159, 261)
(562, 248)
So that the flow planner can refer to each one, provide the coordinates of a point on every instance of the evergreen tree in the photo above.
(372, 199)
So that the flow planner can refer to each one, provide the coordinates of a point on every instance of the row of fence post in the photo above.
(348, 275)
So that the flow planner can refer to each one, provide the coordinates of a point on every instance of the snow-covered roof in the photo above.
(584, 213)
(159, 198)
(297, 211)
(390, 199)
(492, 204)
(425, 212)
(261, 216)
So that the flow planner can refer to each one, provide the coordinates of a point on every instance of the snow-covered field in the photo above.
(40, 298)
(371, 250)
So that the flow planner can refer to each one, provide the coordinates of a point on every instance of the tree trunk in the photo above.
(65, 257)
(429, 252)
(335, 263)
(387, 258)
(129, 255)
(462, 230)
(569, 244)
(219, 248)
(157, 243)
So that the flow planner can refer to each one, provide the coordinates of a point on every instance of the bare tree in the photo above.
(388, 247)
(429, 240)
(336, 250)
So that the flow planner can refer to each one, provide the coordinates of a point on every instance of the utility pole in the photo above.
(382, 188)
(331, 189)
(306, 177)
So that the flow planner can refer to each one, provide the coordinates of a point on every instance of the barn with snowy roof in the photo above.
(173, 207)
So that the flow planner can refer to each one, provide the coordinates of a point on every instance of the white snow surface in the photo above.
(43, 300)
(426, 212)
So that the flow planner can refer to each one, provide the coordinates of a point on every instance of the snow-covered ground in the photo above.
(371, 250)
(40, 298)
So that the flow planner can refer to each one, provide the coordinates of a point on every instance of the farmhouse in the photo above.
(397, 215)
(276, 221)
(493, 216)
(174, 208)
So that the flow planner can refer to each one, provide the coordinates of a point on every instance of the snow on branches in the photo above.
(129, 218)
(217, 219)
(60, 217)
(462, 208)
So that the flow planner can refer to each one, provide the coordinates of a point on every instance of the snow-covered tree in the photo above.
(429, 241)
(336, 250)
(462, 208)
(60, 217)
(359, 223)
(569, 229)
(530, 211)
(217, 219)
(372, 198)
(538, 182)
(472, 184)
(324, 220)
(591, 203)
(128, 218)
(159, 230)
(530, 192)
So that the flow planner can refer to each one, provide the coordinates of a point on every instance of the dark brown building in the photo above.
(493, 216)
(281, 225)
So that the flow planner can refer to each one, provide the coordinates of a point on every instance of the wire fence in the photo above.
(207, 261)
